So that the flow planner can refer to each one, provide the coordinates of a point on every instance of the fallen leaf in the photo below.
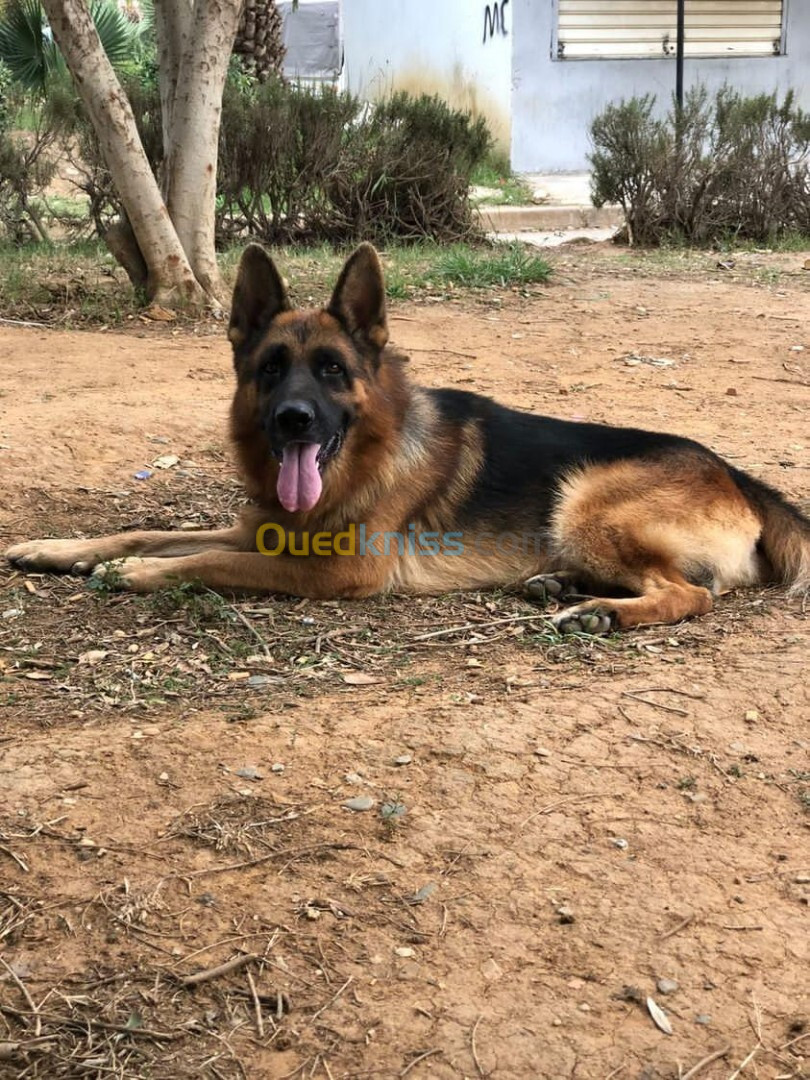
(93, 656)
(361, 678)
(659, 1017)
(156, 313)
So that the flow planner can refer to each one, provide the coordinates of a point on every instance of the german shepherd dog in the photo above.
(631, 527)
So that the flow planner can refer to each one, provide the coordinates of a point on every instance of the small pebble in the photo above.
(249, 772)
(405, 951)
(353, 778)
(359, 803)
(751, 716)
(277, 767)
(619, 843)
(403, 759)
(703, 1018)
(540, 751)
(565, 915)
(666, 986)
(802, 879)
(164, 776)
(584, 1007)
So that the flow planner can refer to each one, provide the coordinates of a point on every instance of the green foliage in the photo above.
(6, 107)
(28, 48)
(501, 265)
(507, 187)
(723, 167)
(297, 162)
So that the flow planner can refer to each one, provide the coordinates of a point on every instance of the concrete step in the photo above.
(511, 219)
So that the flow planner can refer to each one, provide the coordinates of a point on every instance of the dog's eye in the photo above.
(272, 363)
(332, 367)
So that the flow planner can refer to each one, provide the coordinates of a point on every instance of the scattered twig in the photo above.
(791, 382)
(476, 1059)
(676, 929)
(421, 1057)
(477, 626)
(634, 696)
(207, 974)
(28, 999)
(83, 1022)
(282, 853)
(16, 858)
(333, 999)
(732, 926)
(561, 802)
(448, 352)
(25, 322)
(247, 624)
(257, 1005)
(11, 1050)
(714, 1056)
(737, 1072)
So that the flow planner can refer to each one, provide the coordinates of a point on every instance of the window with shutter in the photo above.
(593, 29)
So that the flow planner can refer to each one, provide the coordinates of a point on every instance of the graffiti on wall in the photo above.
(495, 20)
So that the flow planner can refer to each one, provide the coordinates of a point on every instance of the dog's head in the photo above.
(301, 374)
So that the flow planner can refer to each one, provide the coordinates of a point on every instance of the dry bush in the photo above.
(728, 167)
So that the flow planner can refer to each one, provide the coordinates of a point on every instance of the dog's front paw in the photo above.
(594, 621)
(134, 575)
(59, 556)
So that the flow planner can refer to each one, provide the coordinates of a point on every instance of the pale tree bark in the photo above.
(193, 133)
(170, 278)
(173, 22)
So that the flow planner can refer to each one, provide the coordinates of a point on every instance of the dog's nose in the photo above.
(294, 417)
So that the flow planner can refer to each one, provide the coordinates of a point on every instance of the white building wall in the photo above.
(459, 49)
(554, 101)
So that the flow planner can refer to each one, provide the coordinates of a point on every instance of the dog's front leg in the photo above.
(80, 556)
(315, 577)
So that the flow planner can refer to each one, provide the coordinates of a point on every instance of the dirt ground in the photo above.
(557, 825)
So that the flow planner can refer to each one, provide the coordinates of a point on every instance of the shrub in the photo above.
(26, 167)
(320, 164)
(724, 167)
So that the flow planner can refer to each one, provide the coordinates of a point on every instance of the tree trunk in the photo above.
(173, 22)
(169, 261)
(191, 161)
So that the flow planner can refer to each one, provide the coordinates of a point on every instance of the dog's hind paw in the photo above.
(557, 588)
(594, 621)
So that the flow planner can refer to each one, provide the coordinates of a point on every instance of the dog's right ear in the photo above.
(258, 296)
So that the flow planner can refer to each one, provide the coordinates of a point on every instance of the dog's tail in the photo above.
(785, 538)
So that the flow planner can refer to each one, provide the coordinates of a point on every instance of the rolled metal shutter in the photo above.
(645, 28)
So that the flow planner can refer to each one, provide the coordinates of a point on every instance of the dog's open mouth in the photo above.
(300, 483)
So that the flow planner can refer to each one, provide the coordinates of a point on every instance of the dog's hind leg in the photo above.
(667, 597)
(659, 530)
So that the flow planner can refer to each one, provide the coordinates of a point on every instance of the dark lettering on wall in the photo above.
(495, 20)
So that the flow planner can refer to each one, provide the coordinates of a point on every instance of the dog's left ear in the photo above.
(358, 301)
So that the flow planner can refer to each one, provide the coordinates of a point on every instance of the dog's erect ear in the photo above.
(358, 301)
(258, 296)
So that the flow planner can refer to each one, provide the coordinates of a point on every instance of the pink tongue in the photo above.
(299, 480)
